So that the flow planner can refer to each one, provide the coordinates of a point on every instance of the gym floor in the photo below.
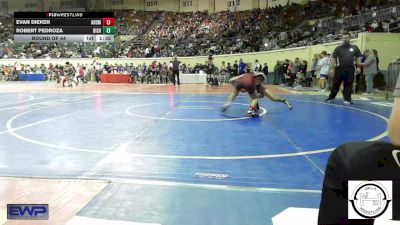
(159, 154)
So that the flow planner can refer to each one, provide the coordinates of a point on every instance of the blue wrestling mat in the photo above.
(176, 159)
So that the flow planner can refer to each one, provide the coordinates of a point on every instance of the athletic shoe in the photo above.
(225, 107)
(287, 103)
(328, 100)
(251, 113)
(347, 103)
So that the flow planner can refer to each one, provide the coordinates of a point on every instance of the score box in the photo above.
(108, 30)
(108, 21)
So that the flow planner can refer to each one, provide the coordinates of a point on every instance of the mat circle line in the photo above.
(12, 132)
(128, 111)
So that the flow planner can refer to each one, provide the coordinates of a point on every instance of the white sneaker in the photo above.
(251, 113)
(347, 103)
(226, 106)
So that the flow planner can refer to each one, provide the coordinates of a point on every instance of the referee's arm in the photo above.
(394, 124)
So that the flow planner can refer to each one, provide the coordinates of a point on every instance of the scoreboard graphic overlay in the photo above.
(43, 27)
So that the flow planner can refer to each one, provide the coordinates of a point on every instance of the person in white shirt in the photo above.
(323, 70)
(257, 67)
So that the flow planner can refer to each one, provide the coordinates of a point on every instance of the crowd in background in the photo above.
(297, 74)
(165, 34)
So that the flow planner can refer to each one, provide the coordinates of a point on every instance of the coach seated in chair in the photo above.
(362, 161)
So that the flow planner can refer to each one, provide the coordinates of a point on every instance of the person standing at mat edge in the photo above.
(342, 68)
(394, 124)
(175, 70)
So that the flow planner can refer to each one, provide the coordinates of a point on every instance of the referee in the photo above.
(175, 70)
(342, 68)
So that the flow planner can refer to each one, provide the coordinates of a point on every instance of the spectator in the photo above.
(379, 28)
(296, 66)
(361, 161)
(370, 70)
(314, 68)
(235, 69)
(323, 71)
(278, 72)
(265, 69)
(229, 69)
(257, 67)
(211, 79)
(82, 74)
(375, 52)
(356, 161)
(242, 67)
(301, 75)
(223, 68)
(97, 71)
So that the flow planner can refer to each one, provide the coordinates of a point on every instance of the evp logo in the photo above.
(27, 211)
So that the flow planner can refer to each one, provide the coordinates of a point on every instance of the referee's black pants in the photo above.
(175, 73)
(343, 75)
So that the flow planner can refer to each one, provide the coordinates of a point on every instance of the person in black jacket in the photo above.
(357, 161)
(265, 69)
(235, 69)
(278, 72)
(361, 161)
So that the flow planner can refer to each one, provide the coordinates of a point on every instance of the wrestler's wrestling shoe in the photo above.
(252, 112)
(288, 104)
(226, 106)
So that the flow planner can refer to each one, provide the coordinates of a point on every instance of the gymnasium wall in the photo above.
(167, 5)
(28, 5)
(233, 5)
(203, 5)
(45, 5)
(148, 5)
(386, 44)
(273, 3)
(118, 4)
(190, 5)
